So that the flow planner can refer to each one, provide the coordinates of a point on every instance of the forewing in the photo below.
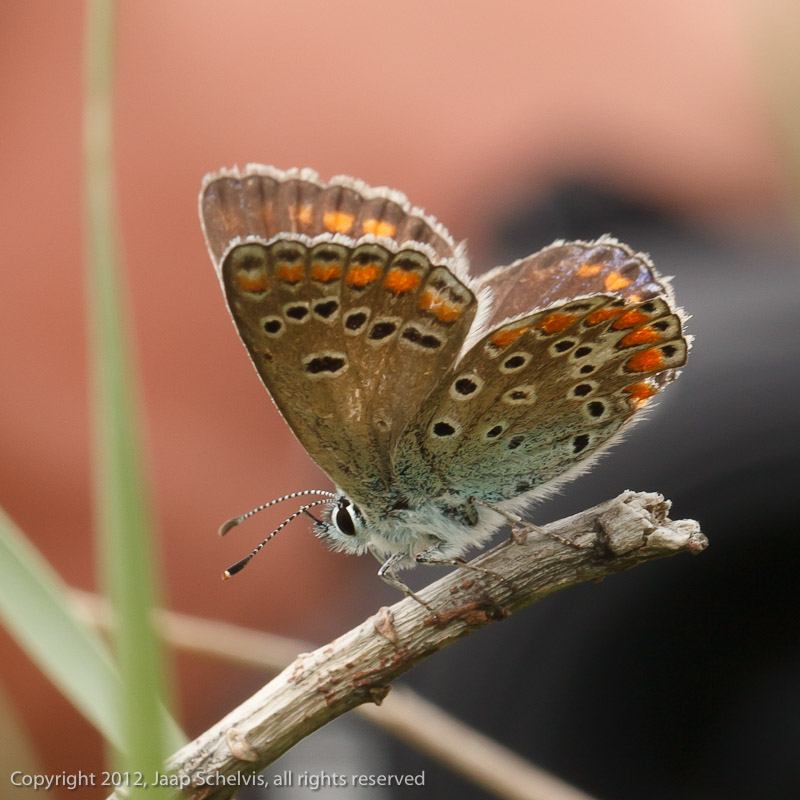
(565, 270)
(264, 201)
(348, 336)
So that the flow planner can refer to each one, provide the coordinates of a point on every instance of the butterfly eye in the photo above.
(343, 518)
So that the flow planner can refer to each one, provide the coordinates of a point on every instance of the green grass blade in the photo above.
(122, 513)
(35, 609)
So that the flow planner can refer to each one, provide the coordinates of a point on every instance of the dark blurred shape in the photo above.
(680, 679)
(575, 209)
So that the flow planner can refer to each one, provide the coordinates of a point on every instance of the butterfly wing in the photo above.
(264, 201)
(537, 396)
(565, 270)
(348, 303)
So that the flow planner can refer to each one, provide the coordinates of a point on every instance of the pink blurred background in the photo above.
(463, 106)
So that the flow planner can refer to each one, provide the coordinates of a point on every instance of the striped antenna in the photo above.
(232, 523)
(240, 565)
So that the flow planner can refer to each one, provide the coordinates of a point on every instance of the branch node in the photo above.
(519, 535)
(384, 624)
(377, 694)
(602, 541)
(239, 746)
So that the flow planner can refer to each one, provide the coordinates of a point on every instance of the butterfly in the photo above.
(437, 402)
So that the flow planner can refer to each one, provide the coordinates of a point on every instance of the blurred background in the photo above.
(672, 125)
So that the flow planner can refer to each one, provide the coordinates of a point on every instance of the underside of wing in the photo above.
(565, 270)
(349, 335)
(536, 398)
(264, 201)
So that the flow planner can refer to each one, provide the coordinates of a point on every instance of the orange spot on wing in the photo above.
(363, 275)
(506, 337)
(325, 272)
(614, 281)
(644, 335)
(304, 214)
(640, 393)
(555, 323)
(587, 270)
(448, 313)
(338, 221)
(443, 311)
(289, 273)
(646, 361)
(251, 283)
(428, 300)
(641, 390)
(379, 227)
(399, 281)
(630, 319)
(601, 315)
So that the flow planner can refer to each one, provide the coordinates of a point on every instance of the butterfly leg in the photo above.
(433, 557)
(521, 529)
(386, 573)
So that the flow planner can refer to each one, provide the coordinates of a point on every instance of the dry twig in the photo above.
(360, 666)
(403, 714)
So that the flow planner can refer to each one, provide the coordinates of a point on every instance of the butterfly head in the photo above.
(343, 526)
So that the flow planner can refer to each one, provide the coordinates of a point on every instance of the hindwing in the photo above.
(537, 396)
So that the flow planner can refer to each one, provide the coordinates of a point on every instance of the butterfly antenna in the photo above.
(240, 565)
(309, 514)
(232, 523)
